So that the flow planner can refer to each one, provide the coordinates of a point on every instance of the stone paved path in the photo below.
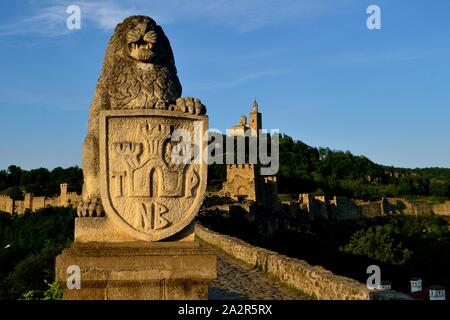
(237, 280)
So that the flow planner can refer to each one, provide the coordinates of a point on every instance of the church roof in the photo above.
(240, 126)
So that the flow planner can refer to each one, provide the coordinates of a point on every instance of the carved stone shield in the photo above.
(152, 185)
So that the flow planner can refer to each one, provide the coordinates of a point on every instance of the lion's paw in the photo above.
(90, 208)
(190, 105)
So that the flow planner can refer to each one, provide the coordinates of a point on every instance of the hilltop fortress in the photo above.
(244, 181)
(32, 203)
(248, 193)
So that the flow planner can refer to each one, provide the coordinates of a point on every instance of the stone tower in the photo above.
(28, 202)
(244, 181)
(63, 187)
(63, 194)
(255, 118)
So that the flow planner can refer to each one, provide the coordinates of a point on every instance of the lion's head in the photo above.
(139, 69)
(140, 42)
(139, 38)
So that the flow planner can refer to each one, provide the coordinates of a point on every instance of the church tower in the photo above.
(255, 118)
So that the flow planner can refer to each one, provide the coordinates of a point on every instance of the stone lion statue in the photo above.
(138, 73)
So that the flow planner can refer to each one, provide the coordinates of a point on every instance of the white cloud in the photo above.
(240, 15)
(51, 20)
(107, 14)
(48, 22)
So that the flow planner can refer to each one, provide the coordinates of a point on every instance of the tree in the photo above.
(378, 243)
(28, 246)
(40, 182)
(14, 175)
(440, 188)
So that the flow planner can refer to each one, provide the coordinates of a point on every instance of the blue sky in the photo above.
(317, 72)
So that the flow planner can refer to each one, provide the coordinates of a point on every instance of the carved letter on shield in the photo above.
(145, 192)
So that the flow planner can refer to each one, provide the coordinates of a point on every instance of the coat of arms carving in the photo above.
(152, 182)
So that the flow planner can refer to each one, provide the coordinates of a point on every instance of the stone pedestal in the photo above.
(138, 270)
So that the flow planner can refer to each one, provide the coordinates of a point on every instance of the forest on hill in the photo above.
(322, 171)
(29, 244)
(41, 182)
(303, 169)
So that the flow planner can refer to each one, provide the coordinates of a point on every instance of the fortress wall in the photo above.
(322, 199)
(54, 202)
(32, 203)
(19, 207)
(72, 199)
(409, 208)
(6, 204)
(371, 209)
(442, 209)
(421, 209)
(307, 202)
(38, 203)
(344, 208)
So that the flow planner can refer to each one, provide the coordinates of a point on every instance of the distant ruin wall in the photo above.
(38, 203)
(370, 209)
(6, 204)
(31, 203)
(341, 208)
(442, 209)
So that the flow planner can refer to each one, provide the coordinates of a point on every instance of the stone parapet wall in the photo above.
(312, 280)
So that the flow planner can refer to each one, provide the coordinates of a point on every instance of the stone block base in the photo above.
(138, 271)
(102, 229)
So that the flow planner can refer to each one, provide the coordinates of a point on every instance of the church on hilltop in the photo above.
(244, 181)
